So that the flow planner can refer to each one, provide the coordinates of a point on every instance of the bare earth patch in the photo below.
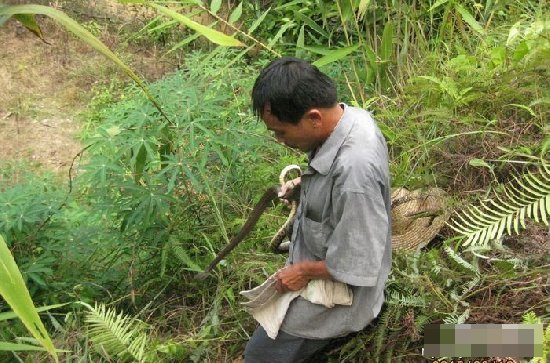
(35, 100)
(48, 142)
(43, 87)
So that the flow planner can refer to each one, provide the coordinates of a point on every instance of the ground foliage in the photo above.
(460, 91)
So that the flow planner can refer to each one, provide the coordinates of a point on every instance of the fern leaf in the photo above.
(543, 211)
(523, 197)
(119, 335)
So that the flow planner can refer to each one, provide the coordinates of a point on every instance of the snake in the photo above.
(270, 195)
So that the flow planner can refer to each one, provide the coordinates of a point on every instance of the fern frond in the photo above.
(119, 335)
(461, 261)
(524, 197)
(402, 300)
(456, 318)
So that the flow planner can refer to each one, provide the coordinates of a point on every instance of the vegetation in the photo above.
(165, 177)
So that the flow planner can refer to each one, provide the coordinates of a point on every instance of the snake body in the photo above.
(269, 196)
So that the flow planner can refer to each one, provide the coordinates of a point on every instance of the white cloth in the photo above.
(269, 307)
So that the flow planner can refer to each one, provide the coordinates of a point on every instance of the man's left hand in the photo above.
(296, 276)
(291, 278)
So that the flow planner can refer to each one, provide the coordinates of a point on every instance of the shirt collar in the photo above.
(322, 159)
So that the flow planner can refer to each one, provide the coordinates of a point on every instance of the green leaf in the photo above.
(334, 55)
(468, 18)
(387, 40)
(362, 8)
(300, 43)
(11, 315)
(526, 108)
(236, 14)
(479, 162)
(313, 25)
(280, 33)
(521, 51)
(513, 33)
(30, 23)
(15, 293)
(140, 163)
(182, 255)
(215, 5)
(213, 35)
(18, 347)
(258, 21)
(437, 4)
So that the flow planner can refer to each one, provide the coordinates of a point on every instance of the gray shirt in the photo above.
(344, 219)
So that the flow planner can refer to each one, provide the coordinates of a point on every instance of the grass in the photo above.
(449, 99)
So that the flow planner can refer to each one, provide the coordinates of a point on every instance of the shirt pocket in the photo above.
(314, 237)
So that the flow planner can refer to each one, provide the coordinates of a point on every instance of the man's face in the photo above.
(302, 136)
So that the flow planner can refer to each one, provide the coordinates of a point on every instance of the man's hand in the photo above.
(296, 276)
(287, 189)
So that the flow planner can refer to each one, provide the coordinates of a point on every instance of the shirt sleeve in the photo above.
(358, 242)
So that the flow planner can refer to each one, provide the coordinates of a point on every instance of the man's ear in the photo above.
(315, 116)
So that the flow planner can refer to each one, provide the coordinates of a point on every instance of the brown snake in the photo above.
(270, 195)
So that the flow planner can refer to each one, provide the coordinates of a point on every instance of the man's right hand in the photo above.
(287, 189)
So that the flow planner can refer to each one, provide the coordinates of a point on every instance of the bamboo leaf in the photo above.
(182, 255)
(213, 35)
(258, 21)
(15, 293)
(362, 8)
(468, 18)
(335, 55)
(30, 23)
(140, 163)
(215, 6)
(437, 4)
(280, 33)
(19, 347)
(310, 23)
(236, 13)
(300, 42)
(386, 47)
(11, 315)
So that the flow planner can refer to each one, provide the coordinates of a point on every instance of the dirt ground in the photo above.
(45, 87)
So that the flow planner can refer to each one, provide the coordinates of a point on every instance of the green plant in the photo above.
(527, 196)
(532, 318)
(118, 335)
(15, 293)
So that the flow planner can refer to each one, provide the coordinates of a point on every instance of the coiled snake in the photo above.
(270, 195)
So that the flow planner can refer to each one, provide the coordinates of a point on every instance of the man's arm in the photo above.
(296, 276)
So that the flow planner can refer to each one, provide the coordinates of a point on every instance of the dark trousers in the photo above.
(285, 348)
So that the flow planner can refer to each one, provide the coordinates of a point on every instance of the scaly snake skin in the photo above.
(269, 196)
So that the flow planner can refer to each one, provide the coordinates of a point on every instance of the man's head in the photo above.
(296, 101)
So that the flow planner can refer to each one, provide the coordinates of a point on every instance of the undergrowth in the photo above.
(154, 199)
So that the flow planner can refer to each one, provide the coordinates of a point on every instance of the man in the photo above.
(342, 226)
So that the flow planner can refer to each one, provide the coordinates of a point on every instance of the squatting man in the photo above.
(342, 230)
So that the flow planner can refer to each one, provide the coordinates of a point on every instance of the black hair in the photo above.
(291, 87)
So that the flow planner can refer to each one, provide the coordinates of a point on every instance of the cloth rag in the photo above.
(269, 307)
